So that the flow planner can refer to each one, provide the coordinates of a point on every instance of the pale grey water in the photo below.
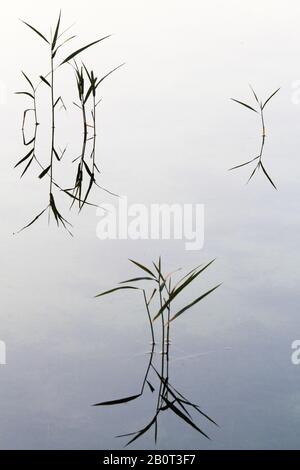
(168, 134)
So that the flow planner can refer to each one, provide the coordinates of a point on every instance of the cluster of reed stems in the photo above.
(158, 303)
(87, 86)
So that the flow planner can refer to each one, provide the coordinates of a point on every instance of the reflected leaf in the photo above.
(118, 402)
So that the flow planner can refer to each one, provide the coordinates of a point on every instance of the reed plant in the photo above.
(158, 300)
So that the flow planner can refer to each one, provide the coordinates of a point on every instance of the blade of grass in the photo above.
(74, 54)
(115, 289)
(244, 104)
(194, 302)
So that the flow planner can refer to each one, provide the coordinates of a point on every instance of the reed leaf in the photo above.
(271, 96)
(243, 164)
(44, 80)
(24, 158)
(184, 417)
(44, 172)
(24, 93)
(135, 279)
(28, 80)
(244, 104)
(119, 401)
(267, 175)
(56, 32)
(26, 167)
(144, 268)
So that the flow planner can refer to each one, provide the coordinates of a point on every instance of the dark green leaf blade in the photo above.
(253, 173)
(24, 93)
(119, 401)
(182, 286)
(115, 289)
(28, 80)
(194, 302)
(109, 73)
(44, 80)
(56, 32)
(243, 164)
(254, 94)
(135, 279)
(34, 220)
(36, 31)
(150, 386)
(141, 432)
(44, 172)
(268, 176)
(184, 417)
(270, 98)
(144, 268)
(24, 158)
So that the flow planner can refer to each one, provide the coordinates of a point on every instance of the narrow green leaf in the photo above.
(74, 54)
(87, 169)
(184, 417)
(62, 44)
(56, 155)
(254, 94)
(150, 386)
(109, 73)
(28, 80)
(44, 80)
(270, 97)
(265, 172)
(26, 167)
(135, 279)
(142, 267)
(115, 289)
(243, 164)
(253, 173)
(24, 158)
(24, 93)
(56, 32)
(88, 93)
(36, 31)
(118, 402)
(34, 220)
(196, 407)
(182, 286)
(194, 302)
(141, 432)
(44, 172)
